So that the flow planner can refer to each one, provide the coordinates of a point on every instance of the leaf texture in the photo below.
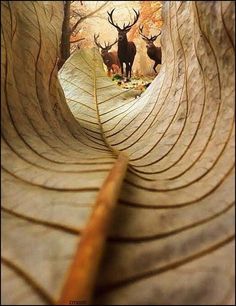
(172, 235)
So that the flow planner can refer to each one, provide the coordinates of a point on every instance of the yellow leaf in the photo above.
(172, 233)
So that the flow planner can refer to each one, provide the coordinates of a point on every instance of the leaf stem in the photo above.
(82, 274)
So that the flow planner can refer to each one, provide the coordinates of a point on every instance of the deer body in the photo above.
(126, 49)
(110, 59)
(126, 55)
(153, 52)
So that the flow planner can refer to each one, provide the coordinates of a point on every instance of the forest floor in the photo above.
(138, 83)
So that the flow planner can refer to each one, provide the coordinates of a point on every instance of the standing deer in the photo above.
(110, 59)
(126, 49)
(152, 51)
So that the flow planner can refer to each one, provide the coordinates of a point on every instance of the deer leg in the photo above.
(154, 67)
(122, 68)
(130, 69)
(131, 65)
(127, 70)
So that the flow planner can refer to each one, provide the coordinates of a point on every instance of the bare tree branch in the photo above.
(87, 16)
(75, 13)
(77, 40)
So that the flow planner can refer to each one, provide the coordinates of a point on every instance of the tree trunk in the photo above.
(65, 37)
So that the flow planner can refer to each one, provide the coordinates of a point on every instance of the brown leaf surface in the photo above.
(171, 240)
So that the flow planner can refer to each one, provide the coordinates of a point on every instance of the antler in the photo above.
(125, 27)
(110, 19)
(155, 36)
(141, 33)
(152, 38)
(96, 42)
(129, 26)
(108, 45)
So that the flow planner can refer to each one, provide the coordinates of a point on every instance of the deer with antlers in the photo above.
(110, 59)
(126, 49)
(152, 51)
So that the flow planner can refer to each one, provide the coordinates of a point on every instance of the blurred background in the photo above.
(90, 17)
